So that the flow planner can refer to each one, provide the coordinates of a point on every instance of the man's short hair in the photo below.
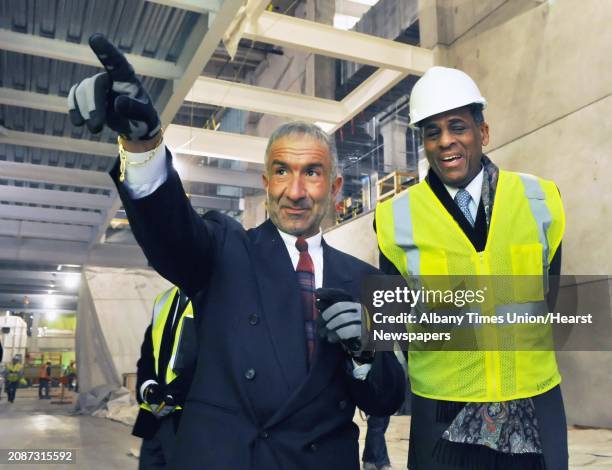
(306, 129)
(475, 110)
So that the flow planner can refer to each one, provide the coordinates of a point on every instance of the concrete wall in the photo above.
(356, 238)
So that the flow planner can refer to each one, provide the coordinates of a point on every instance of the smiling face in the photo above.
(453, 145)
(298, 183)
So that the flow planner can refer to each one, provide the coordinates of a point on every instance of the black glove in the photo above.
(159, 400)
(115, 97)
(345, 321)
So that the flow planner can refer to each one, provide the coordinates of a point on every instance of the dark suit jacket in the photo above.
(253, 404)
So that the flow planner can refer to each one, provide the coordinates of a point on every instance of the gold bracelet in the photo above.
(124, 162)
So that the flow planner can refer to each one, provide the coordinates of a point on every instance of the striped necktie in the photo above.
(306, 280)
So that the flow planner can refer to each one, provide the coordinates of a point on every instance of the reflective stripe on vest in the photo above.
(418, 235)
(162, 314)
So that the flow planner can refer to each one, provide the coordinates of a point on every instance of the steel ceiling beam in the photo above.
(216, 203)
(29, 99)
(29, 276)
(67, 144)
(205, 143)
(44, 214)
(189, 171)
(55, 175)
(81, 54)
(264, 100)
(196, 53)
(197, 6)
(69, 252)
(52, 197)
(224, 145)
(295, 33)
(375, 86)
(52, 231)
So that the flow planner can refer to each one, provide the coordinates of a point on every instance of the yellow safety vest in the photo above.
(14, 371)
(161, 314)
(418, 235)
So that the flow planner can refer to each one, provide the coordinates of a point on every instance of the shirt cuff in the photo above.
(141, 181)
(144, 386)
(360, 372)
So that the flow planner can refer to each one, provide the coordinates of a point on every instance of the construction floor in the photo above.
(101, 444)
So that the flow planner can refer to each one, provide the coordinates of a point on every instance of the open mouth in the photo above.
(451, 161)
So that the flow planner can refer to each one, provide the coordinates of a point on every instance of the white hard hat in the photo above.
(442, 89)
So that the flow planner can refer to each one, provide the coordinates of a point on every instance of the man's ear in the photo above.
(484, 133)
(336, 186)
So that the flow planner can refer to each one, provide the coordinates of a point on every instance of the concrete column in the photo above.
(394, 143)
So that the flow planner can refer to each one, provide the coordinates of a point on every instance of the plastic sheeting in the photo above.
(107, 401)
(114, 310)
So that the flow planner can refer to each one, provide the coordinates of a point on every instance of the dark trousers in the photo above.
(11, 389)
(425, 432)
(70, 381)
(155, 453)
(43, 386)
(375, 449)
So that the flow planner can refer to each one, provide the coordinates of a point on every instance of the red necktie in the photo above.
(306, 279)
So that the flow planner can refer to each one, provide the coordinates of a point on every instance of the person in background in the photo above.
(71, 375)
(375, 454)
(164, 374)
(12, 376)
(44, 381)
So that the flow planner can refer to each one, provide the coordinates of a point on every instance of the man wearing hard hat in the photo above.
(477, 409)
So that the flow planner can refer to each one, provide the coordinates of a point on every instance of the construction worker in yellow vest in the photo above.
(13, 376)
(164, 373)
(473, 409)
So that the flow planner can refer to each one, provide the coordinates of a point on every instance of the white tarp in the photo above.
(113, 312)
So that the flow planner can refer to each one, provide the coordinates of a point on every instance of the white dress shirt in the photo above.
(475, 190)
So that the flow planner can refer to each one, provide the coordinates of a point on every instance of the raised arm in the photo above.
(174, 238)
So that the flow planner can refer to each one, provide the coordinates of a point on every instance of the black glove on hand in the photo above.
(161, 403)
(115, 97)
(345, 321)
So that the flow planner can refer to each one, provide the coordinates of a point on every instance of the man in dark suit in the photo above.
(266, 393)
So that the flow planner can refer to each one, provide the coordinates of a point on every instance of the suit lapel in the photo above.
(280, 299)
